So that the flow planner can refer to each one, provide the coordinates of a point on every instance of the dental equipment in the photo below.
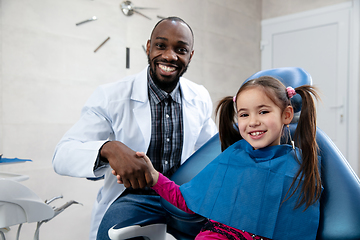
(19, 204)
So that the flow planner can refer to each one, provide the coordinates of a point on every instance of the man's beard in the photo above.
(164, 85)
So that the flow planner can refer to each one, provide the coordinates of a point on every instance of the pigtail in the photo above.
(305, 139)
(227, 132)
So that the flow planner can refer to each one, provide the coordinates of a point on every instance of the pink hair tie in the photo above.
(290, 92)
(234, 99)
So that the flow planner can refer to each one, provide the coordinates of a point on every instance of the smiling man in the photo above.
(156, 111)
(169, 50)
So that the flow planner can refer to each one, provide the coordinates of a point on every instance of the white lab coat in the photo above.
(121, 111)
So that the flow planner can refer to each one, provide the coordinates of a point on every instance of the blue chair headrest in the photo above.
(289, 76)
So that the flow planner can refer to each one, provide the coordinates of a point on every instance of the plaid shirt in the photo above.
(166, 128)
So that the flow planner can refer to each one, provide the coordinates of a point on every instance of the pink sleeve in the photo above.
(168, 190)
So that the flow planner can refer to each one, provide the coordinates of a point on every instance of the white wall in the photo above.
(48, 69)
(276, 8)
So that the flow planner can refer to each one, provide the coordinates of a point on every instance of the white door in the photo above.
(319, 43)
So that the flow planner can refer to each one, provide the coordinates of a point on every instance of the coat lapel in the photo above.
(190, 120)
(141, 106)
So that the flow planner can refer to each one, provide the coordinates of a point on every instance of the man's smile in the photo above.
(166, 68)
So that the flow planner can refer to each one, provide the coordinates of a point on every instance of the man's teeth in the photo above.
(256, 133)
(166, 68)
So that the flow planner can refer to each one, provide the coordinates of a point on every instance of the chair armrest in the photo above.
(153, 227)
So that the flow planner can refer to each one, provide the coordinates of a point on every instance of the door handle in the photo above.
(341, 114)
(337, 106)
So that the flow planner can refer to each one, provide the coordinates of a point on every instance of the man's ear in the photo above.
(191, 55)
(288, 115)
(148, 47)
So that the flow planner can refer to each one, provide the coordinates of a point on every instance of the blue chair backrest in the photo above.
(289, 76)
(340, 200)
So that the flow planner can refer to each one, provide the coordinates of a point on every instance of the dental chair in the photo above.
(339, 203)
(19, 204)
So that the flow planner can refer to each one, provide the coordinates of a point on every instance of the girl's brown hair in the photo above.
(304, 137)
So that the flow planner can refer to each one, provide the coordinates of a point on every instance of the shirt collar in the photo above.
(161, 94)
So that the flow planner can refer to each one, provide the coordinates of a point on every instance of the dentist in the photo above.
(156, 111)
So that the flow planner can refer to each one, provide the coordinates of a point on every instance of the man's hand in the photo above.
(132, 169)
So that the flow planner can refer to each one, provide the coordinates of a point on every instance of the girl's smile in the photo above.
(257, 134)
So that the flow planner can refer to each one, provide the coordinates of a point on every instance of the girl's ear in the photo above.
(288, 115)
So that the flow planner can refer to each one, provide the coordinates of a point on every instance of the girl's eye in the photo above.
(243, 115)
(264, 112)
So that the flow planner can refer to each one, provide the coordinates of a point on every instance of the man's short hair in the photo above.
(176, 19)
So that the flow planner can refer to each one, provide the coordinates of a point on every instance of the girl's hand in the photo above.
(119, 179)
(153, 172)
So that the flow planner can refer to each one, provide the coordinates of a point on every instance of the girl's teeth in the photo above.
(256, 133)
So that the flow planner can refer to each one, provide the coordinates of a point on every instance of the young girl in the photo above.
(256, 188)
